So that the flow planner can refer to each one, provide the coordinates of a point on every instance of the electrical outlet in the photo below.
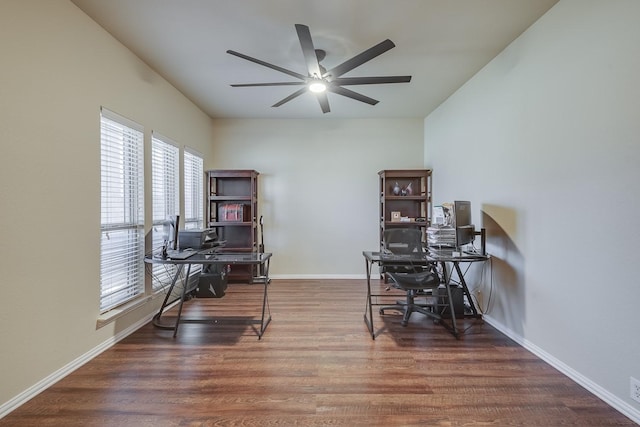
(635, 389)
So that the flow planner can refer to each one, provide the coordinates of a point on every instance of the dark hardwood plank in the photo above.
(315, 365)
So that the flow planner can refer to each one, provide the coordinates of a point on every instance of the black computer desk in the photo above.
(420, 259)
(207, 258)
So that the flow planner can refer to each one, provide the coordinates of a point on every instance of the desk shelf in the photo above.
(217, 198)
(403, 198)
(389, 224)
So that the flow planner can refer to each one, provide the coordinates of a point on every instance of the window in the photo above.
(122, 210)
(193, 190)
(165, 194)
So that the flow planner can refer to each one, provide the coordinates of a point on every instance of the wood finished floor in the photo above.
(316, 365)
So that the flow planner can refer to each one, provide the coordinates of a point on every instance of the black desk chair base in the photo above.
(419, 285)
(428, 307)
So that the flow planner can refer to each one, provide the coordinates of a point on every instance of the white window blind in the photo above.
(122, 210)
(193, 190)
(165, 170)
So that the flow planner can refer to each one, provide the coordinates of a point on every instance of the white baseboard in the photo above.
(47, 382)
(317, 276)
(611, 399)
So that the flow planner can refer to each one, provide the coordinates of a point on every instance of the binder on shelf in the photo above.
(237, 212)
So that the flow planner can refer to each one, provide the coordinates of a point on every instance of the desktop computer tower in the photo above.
(457, 294)
(212, 282)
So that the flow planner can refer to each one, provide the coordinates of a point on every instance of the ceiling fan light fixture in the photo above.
(317, 87)
(319, 80)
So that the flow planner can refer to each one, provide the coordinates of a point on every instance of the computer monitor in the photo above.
(462, 213)
(171, 227)
(465, 230)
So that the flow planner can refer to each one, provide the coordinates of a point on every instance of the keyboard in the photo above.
(441, 252)
(403, 258)
(448, 253)
(180, 255)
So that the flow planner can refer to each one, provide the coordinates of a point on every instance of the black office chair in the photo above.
(416, 279)
(403, 242)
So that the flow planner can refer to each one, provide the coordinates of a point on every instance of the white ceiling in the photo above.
(440, 43)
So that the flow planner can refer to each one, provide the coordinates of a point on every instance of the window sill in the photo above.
(116, 313)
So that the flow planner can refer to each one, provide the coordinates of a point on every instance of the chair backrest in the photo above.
(403, 240)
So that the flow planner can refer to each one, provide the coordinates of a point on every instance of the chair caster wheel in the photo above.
(404, 323)
(381, 311)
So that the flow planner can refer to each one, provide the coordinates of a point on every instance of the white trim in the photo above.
(193, 151)
(318, 276)
(614, 401)
(56, 376)
(121, 119)
(115, 313)
(157, 135)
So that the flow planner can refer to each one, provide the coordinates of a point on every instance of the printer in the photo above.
(200, 238)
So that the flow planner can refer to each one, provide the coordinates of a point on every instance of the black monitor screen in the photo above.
(465, 235)
(465, 230)
(171, 232)
(462, 212)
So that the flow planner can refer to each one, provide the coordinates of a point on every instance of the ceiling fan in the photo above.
(320, 80)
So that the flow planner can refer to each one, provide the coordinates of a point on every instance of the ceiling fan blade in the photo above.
(290, 97)
(266, 64)
(268, 84)
(353, 95)
(308, 50)
(360, 59)
(324, 102)
(370, 80)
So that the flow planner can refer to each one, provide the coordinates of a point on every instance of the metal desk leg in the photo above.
(156, 318)
(447, 283)
(265, 301)
(368, 308)
(182, 298)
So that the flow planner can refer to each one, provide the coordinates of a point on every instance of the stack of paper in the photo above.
(441, 236)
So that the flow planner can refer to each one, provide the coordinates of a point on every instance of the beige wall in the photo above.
(58, 68)
(319, 185)
(544, 142)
